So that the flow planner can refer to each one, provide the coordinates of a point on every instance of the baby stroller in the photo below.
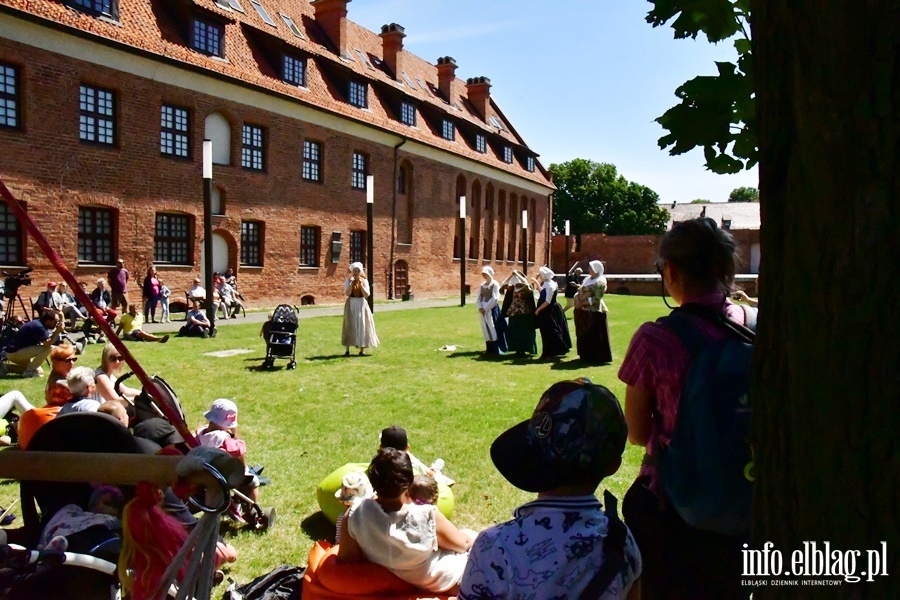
(87, 570)
(281, 336)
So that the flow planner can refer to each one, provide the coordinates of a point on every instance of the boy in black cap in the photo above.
(561, 545)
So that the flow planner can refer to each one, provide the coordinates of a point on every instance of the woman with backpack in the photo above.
(697, 264)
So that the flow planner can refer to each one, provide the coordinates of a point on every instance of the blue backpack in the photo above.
(706, 470)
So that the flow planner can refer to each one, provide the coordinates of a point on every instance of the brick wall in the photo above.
(46, 165)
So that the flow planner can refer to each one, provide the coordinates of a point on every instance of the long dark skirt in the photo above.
(500, 328)
(592, 331)
(555, 339)
(520, 334)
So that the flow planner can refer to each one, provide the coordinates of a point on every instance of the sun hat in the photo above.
(487, 271)
(354, 486)
(223, 413)
(546, 273)
(357, 265)
(596, 267)
(576, 432)
(394, 437)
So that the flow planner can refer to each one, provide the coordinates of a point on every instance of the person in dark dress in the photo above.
(573, 283)
(555, 340)
(591, 325)
(518, 309)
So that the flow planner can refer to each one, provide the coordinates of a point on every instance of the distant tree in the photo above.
(596, 199)
(700, 201)
(744, 194)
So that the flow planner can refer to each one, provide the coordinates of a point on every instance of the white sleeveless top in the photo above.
(405, 542)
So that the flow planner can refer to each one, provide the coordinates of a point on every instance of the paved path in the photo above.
(330, 310)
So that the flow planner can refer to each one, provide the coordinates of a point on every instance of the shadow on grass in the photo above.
(576, 364)
(318, 527)
(334, 356)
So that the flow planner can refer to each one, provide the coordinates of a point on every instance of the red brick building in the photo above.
(104, 105)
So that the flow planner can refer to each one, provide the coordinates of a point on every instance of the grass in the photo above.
(305, 423)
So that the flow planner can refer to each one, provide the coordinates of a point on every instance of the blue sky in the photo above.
(577, 78)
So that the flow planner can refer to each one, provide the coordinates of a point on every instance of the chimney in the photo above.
(392, 47)
(446, 68)
(331, 16)
(478, 90)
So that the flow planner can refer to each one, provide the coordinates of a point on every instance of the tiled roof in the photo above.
(161, 27)
(743, 215)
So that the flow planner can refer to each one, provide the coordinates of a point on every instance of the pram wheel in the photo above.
(268, 363)
(267, 519)
(292, 364)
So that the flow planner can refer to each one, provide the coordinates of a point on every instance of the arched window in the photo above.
(405, 203)
(488, 221)
(475, 229)
(218, 130)
(460, 191)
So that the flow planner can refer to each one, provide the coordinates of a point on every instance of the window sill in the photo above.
(307, 268)
(172, 266)
(251, 267)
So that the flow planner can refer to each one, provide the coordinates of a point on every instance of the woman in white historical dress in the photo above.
(493, 326)
(359, 324)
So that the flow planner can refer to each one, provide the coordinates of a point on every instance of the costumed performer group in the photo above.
(512, 327)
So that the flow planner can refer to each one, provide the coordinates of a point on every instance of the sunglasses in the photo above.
(116, 358)
(74, 359)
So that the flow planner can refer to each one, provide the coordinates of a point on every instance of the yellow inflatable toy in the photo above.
(332, 507)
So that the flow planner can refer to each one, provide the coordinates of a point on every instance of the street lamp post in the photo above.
(370, 218)
(568, 244)
(207, 234)
(525, 242)
(462, 250)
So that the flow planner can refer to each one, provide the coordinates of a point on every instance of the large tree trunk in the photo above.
(826, 375)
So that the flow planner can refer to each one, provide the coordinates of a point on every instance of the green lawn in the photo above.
(305, 423)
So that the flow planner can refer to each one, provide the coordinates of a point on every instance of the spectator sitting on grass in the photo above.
(221, 432)
(105, 376)
(197, 322)
(395, 437)
(82, 386)
(415, 542)
(424, 490)
(130, 328)
(555, 545)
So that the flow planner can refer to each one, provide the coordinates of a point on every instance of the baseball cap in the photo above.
(576, 432)
(394, 437)
(51, 284)
(223, 413)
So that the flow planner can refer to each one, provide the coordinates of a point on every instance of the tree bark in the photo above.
(826, 374)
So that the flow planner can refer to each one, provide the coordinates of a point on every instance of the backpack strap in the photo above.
(613, 551)
(746, 332)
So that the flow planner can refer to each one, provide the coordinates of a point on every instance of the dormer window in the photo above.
(408, 114)
(293, 70)
(529, 164)
(448, 130)
(480, 143)
(262, 13)
(208, 37)
(359, 94)
(508, 154)
(106, 8)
